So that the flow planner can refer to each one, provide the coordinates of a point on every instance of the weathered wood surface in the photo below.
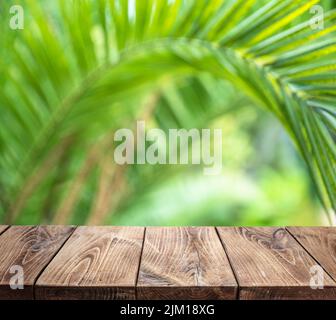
(168, 262)
(96, 263)
(320, 242)
(185, 263)
(24, 253)
(270, 264)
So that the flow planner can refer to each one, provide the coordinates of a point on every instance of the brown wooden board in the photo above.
(270, 264)
(95, 263)
(29, 248)
(3, 228)
(184, 263)
(320, 242)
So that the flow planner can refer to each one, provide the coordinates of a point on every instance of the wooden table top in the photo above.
(66, 262)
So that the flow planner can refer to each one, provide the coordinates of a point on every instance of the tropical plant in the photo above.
(81, 69)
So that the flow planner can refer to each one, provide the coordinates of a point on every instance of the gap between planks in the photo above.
(314, 250)
(232, 268)
(271, 264)
(3, 228)
(31, 248)
(185, 263)
(137, 278)
(95, 263)
(53, 257)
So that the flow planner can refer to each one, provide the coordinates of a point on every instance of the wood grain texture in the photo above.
(320, 242)
(270, 264)
(3, 228)
(31, 248)
(96, 263)
(184, 263)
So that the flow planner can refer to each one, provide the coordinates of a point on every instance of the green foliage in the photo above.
(81, 69)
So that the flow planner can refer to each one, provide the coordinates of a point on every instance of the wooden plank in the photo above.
(270, 264)
(29, 248)
(96, 263)
(184, 263)
(320, 242)
(3, 228)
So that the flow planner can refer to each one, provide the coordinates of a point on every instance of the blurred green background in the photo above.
(265, 180)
